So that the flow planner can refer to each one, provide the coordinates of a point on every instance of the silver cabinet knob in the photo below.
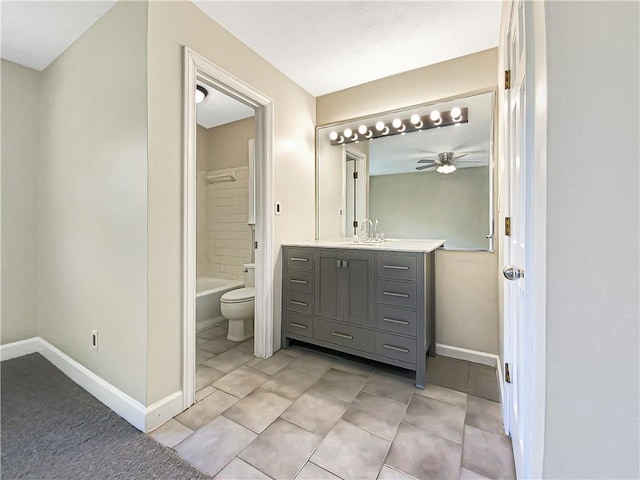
(512, 273)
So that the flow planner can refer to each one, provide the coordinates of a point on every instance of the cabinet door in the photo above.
(328, 284)
(358, 296)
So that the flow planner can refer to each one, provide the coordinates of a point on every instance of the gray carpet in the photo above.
(51, 428)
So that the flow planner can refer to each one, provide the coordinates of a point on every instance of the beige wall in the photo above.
(477, 287)
(92, 205)
(172, 25)
(20, 136)
(592, 327)
(425, 205)
(442, 80)
(228, 145)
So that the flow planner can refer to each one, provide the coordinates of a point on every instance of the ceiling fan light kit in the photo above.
(398, 126)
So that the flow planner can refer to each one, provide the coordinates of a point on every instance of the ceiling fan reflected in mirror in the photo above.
(445, 162)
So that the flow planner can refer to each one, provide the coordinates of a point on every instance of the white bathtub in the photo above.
(209, 291)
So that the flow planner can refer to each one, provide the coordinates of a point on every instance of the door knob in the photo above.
(512, 273)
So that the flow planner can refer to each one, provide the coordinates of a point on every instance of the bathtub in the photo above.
(209, 291)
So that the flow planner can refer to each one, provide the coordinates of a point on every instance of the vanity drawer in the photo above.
(300, 302)
(299, 324)
(397, 320)
(397, 267)
(397, 347)
(345, 335)
(300, 281)
(300, 258)
(397, 293)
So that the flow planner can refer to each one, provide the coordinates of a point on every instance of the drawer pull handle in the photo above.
(342, 335)
(303, 282)
(298, 259)
(302, 304)
(392, 294)
(393, 320)
(397, 349)
(299, 325)
(396, 267)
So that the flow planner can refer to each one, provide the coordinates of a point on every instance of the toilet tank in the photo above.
(250, 275)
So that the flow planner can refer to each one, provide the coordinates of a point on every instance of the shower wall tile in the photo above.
(229, 238)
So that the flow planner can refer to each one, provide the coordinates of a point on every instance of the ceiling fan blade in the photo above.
(424, 167)
(427, 160)
(459, 156)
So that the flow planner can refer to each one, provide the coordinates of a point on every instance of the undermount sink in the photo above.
(358, 242)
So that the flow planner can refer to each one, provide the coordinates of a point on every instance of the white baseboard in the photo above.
(143, 418)
(200, 326)
(163, 410)
(19, 349)
(466, 354)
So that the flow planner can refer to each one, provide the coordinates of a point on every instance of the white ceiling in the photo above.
(326, 46)
(218, 109)
(34, 34)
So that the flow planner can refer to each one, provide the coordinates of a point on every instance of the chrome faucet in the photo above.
(376, 236)
(368, 231)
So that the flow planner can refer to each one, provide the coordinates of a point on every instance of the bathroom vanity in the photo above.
(371, 300)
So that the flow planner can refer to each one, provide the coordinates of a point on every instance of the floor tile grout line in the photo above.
(395, 435)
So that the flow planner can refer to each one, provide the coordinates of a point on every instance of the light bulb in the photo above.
(435, 116)
(347, 132)
(396, 123)
(333, 136)
(440, 169)
(456, 114)
(449, 169)
(415, 119)
(362, 129)
(380, 126)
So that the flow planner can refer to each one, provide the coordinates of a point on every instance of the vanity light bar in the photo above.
(399, 127)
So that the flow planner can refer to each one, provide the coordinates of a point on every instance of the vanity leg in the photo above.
(286, 342)
(421, 368)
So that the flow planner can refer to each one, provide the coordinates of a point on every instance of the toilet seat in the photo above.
(239, 295)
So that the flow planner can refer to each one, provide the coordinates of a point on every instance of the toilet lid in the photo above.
(239, 295)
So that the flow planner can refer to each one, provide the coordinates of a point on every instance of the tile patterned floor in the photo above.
(309, 414)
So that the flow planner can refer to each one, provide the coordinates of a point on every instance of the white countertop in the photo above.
(390, 244)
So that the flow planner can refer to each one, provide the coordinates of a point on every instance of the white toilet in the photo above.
(238, 306)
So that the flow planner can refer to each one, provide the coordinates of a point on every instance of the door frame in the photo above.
(197, 66)
(535, 151)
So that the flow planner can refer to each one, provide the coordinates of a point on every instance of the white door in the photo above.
(514, 288)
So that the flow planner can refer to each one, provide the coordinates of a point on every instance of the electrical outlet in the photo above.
(94, 339)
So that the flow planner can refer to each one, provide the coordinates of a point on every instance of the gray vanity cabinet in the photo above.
(345, 286)
(375, 304)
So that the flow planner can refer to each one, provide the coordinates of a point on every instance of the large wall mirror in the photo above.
(424, 172)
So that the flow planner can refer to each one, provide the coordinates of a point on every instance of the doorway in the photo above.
(199, 71)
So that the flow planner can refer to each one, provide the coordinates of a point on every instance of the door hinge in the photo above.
(507, 375)
(507, 226)
(355, 224)
(255, 245)
(355, 175)
(507, 79)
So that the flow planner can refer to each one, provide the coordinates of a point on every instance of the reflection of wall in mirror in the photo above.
(331, 173)
(426, 205)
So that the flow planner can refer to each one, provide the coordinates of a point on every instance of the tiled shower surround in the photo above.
(224, 238)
